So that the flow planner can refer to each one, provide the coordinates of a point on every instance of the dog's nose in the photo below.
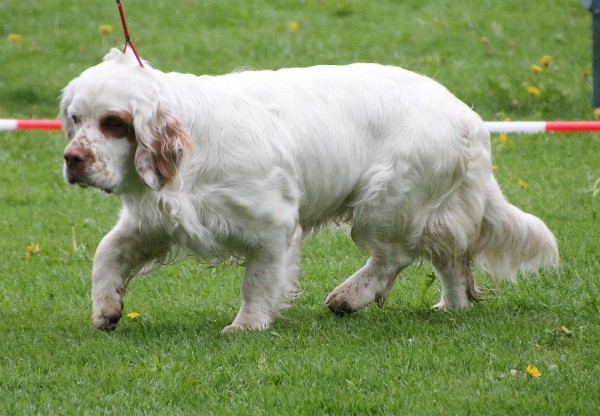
(75, 156)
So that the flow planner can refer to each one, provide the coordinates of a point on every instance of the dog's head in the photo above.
(119, 128)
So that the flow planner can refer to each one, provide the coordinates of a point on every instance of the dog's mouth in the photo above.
(73, 179)
(80, 184)
(87, 185)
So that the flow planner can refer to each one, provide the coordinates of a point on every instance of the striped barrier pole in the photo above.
(492, 126)
(541, 126)
(30, 125)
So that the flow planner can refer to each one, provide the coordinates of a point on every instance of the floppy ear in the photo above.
(162, 141)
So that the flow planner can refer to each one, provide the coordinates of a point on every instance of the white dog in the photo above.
(249, 163)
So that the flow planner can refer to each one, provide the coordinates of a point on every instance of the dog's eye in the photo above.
(75, 119)
(112, 122)
(115, 126)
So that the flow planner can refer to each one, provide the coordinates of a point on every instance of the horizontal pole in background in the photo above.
(541, 126)
(30, 125)
(492, 126)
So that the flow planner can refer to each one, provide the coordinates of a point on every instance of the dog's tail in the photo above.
(512, 240)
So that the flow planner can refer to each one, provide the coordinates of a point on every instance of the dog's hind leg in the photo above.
(458, 284)
(372, 283)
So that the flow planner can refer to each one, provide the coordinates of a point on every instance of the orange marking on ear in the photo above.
(172, 141)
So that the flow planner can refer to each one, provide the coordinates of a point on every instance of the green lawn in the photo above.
(400, 359)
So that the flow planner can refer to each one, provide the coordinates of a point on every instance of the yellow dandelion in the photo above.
(106, 29)
(133, 315)
(522, 183)
(533, 372)
(562, 330)
(503, 138)
(14, 38)
(586, 73)
(32, 249)
(533, 91)
(536, 69)
(293, 26)
(597, 112)
(546, 60)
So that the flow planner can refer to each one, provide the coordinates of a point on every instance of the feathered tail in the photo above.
(512, 240)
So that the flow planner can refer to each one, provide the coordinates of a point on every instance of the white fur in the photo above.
(260, 159)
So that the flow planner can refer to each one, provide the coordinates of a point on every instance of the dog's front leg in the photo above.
(258, 309)
(270, 282)
(121, 254)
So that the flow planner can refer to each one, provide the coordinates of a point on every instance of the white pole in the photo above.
(8, 124)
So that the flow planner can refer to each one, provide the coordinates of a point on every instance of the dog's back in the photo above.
(350, 124)
(399, 152)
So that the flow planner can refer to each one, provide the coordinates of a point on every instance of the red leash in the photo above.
(126, 32)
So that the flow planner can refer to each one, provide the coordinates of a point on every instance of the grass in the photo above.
(403, 358)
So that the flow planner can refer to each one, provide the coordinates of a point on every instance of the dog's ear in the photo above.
(113, 55)
(63, 116)
(127, 58)
(162, 141)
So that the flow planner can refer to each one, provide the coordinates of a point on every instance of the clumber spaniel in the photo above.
(249, 163)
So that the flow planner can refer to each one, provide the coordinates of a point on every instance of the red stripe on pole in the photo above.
(573, 126)
(39, 125)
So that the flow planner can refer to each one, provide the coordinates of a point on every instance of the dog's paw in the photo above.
(107, 317)
(249, 318)
(442, 305)
(338, 303)
(237, 327)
